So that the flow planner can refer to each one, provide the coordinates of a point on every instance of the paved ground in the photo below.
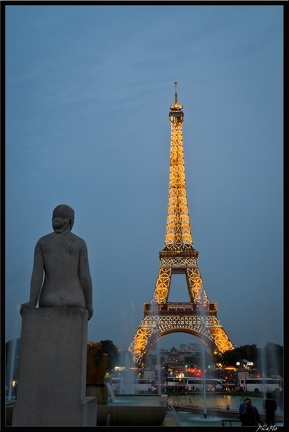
(179, 418)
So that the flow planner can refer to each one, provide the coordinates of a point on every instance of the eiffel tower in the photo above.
(197, 317)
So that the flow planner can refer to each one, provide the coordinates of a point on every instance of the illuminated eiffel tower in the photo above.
(197, 317)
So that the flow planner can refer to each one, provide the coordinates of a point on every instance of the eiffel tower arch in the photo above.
(197, 317)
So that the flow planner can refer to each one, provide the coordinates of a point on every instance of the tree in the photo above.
(267, 360)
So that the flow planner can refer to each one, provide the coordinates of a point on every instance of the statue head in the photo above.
(62, 217)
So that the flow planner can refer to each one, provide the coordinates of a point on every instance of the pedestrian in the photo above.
(15, 388)
(249, 414)
(61, 276)
(280, 400)
(270, 408)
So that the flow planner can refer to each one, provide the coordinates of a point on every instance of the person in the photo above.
(270, 408)
(249, 414)
(280, 400)
(15, 388)
(61, 275)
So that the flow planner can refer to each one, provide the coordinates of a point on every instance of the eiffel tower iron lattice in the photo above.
(197, 317)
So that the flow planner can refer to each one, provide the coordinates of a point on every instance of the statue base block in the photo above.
(52, 369)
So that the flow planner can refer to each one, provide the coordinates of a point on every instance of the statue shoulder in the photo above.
(78, 239)
(43, 240)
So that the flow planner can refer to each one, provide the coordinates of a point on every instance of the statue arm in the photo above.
(85, 279)
(36, 279)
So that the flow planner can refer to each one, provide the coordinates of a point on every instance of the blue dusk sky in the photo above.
(88, 93)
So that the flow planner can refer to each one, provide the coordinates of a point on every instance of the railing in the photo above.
(230, 421)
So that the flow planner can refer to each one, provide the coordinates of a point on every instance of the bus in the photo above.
(133, 386)
(261, 384)
(212, 384)
(175, 384)
(193, 384)
(144, 385)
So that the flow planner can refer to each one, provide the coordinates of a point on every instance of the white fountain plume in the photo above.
(203, 356)
(110, 391)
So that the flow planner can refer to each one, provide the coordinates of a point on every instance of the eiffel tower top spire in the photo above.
(176, 93)
(176, 106)
(176, 109)
(178, 231)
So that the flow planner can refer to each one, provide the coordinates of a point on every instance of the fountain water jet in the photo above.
(173, 411)
(127, 383)
(110, 391)
(203, 358)
(158, 366)
(204, 381)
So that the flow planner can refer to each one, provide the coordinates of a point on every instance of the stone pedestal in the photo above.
(52, 370)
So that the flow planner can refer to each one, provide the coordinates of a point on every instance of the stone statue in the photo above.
(61, 275)
(95, 374)
(96, 367)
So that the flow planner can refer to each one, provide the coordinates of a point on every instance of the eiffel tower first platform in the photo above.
(197, 317)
